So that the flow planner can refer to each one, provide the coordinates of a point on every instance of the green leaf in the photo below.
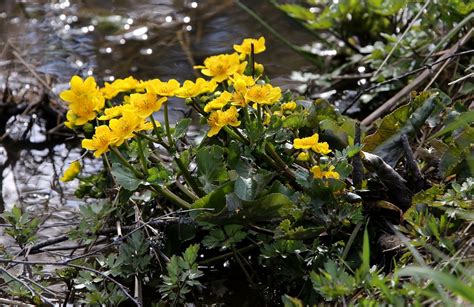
(297, 11)
(238, 211)
(251, 182)
(181, 128)
(462, 121)
(366, 251)
(125, 177)
(456, 285)
(191, 253)
(213, 200)
(295, 121)
(451, 159)
(408, 119)
(289, 301)
(211, 168)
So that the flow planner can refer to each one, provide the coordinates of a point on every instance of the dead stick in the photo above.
(38, 246)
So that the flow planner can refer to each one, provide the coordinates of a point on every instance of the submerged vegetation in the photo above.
(289, 196)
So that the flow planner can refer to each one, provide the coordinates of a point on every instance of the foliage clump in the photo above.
(287, 194)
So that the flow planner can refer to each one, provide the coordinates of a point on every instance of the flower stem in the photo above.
(259, 115)
(124, 162)
(233, 134)
(188, 178)
(141, 155)
(157, 133)
(167, 125)
(171, 196)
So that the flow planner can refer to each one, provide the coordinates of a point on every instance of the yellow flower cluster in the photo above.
(321, 148)
(233, 85)
(84, 100)
(128, 118)
(312, 143)
(319, 174)
(241, 89)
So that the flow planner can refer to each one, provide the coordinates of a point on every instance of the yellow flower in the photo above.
(191, 89)
(218, 103)
(263, 94)
(70, 119)
(113, 112)
(317, 173)
(84, 99)
(330, 173)
(246, 46)
(240, 84)
(221, 67)
(110, 90)
(238, 99)
(239, 81)
(145, 104)
(303, 156)
(122, 129)
(163, 88)
(258, 69)
(267, 119)
(306, 143)
(321, 148)
(71, 172)
(127, 84)
(100, 141)
(289, 106)
(144, 125)
(219, 119)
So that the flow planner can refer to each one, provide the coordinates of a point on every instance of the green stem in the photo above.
(167, 125)
(157, 133)
(171, 196)
(141, 155)
(259, 115)
(186, 191)
(271, 150)
(114, 150)
(149, 138)
(188, 178)
(229, 254)
(233, 134)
